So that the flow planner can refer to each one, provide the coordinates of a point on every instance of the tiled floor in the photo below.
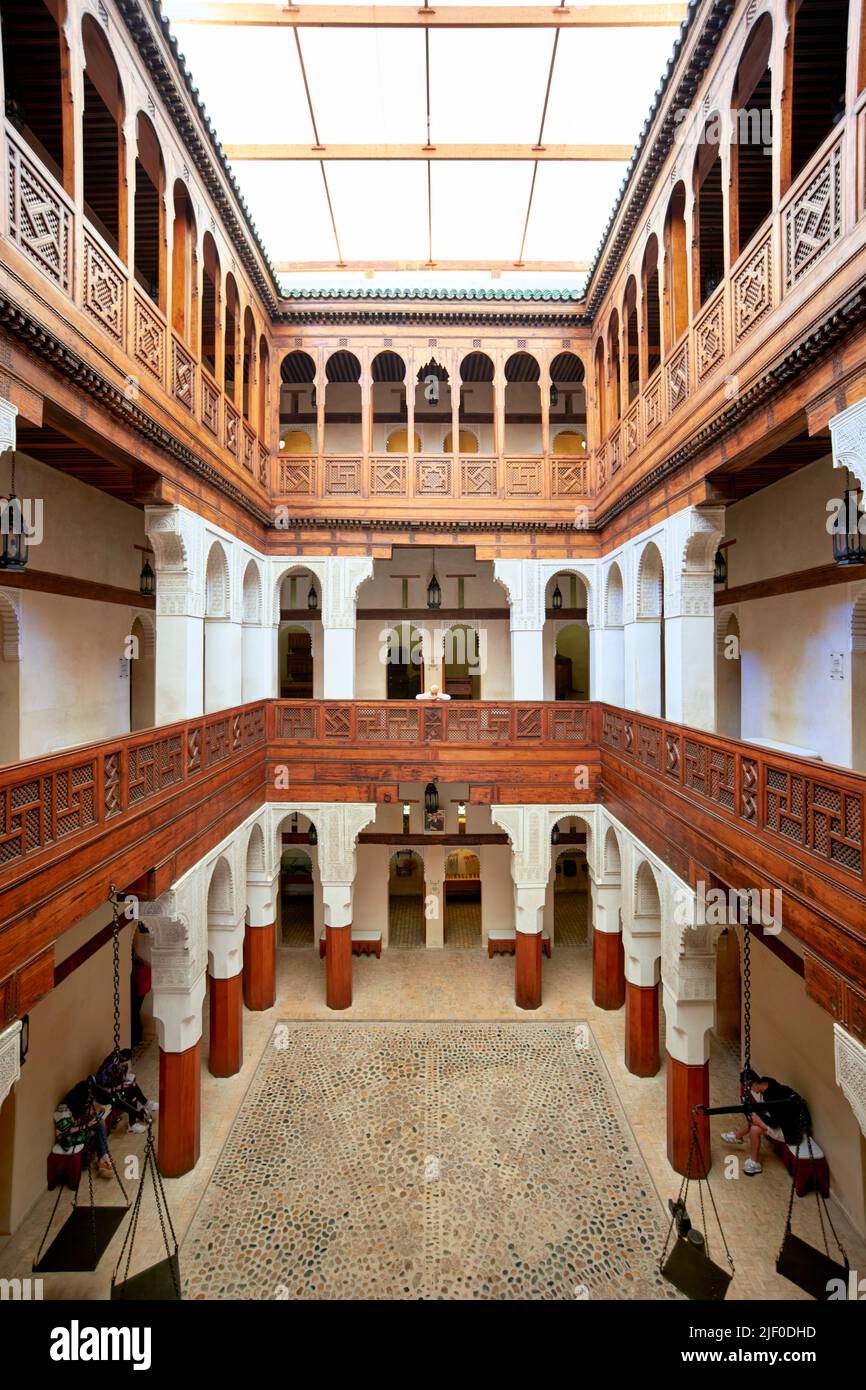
(452, 985)
(463, 925)
(570, 919)
(406, 922)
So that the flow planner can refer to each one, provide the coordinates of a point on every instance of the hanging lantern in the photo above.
(720, 571)
(554, 835)
(312, 836)
(554, 396)
(848, 540)
(147, 580)
(314, 400)
(13, 530)
(431, 798)
(557, 599)
(312, 599)
(434, 593)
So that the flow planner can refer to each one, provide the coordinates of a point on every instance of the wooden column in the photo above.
(260, 967)
(226, 1054)
(642, 1029)
(687, 1087)
(527, 970)
(608, 970)
(179, 1131)
(338, 967)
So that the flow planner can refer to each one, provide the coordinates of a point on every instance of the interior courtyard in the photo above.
(432, 686)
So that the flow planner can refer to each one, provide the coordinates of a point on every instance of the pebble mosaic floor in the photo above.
(428, 1160)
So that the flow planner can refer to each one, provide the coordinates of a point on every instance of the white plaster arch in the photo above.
(148, 627)
(217, 582)
(614, 596)
(10, 629)
(252, 592)
(649, 590)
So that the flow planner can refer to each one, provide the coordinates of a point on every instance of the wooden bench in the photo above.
(504, 943)
(364, 943)
(811, 1172)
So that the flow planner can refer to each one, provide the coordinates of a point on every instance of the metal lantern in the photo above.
(312, 599)
(147, 580)
(848, 540)
(434, 593)
(557, 598)
(554, 396)
(312, 836)
(720, 571)
(554, 835)
(13, 531)
(431, 798)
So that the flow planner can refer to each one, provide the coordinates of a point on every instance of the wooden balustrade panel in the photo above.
(488, 723)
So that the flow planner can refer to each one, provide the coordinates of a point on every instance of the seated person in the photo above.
(776, 1111)
(434, 693)
(78, 1102)
(114, 1075)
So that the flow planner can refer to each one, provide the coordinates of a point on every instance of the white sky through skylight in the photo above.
(368, 86)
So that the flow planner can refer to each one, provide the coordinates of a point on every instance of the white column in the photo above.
(524, 582)
(529, 907)
(259, 643)
(224, 643)
(606, 673)
(178, 944)
(645, 656)
(175, 536)
(262, 890)
(434, 889)
(690, 629)
(606, 906)
(343, 576)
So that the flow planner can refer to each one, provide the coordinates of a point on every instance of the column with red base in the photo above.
(178, 1015)
(260, 944)
(608, 957)
(225, 971)
(337, 899)
(529, 909)
(642, 949)
(687, 1031)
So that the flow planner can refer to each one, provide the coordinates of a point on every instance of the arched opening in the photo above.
(103, 149)
(35, 81)
(404, 671)
(708, 246)
(461, 676)
(477, 406)
(615, 369)
(216, 623)
(210, 288)
(568, 404)
(183, 272)
(249, 364)
(398, 442)
(858, 684)
(343, 403)
(566, 639)
(389, 399)
(631, 339)
(264, 391)
(462, 890)
(649, 673)
(467, 442)
(253, 684)
(149, 243)
(432, 404)
(728, 988)
(300, 913)
(600, 390)
(231, 311)
(296, 663)
(728, 678)
(613, 662)
(142, 676)
(298, 404)
(10, 682)
(522, 405)
(652, 327)
(676, 268)
(752, 147)
(406, 893)
(567, 908)
(816, 70)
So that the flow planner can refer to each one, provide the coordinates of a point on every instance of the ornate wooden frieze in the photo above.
(710, 337)
(40, 222)
(148, 332)
(677, 374)
(613, 445)
(569, 477)
(210, 405)
(433, 477)
(523, 478)
(343, 477)
(37, 810)
(752, 289)
(388, 477)
(478, 477)
(652, 406)
(297, 477)
(104, 289)
(812, 221)
(231, 436)
(631, 431)
(183, 374)
(249, 456)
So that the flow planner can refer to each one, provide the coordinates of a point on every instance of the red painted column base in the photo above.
(687, 1087)
(226, 1056)
(338, 967)
(179, 1125)
(642, 1029)
(260, 967)
(527, 970)
(608, 970)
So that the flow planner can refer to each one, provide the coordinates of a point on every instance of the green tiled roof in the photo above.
(552, 296)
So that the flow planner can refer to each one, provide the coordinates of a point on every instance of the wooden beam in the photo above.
(646, 16)
(531, 153)
(371, 268)
(821, 577)
(41, 581)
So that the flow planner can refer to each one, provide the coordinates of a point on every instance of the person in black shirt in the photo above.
(777, 1112)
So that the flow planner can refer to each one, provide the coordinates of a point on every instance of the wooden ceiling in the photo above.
(128, 481)
(736, 482)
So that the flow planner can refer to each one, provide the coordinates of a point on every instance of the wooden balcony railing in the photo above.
(445, 477)
(51, 803)
(403, 723)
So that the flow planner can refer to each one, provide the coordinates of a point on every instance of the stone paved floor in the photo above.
(456, 985)
(570, 920)
(406, 922)
(463, 924)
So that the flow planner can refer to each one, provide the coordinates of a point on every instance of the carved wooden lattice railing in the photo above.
(380, 723)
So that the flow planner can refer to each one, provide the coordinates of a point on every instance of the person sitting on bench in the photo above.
(78, 1101)
(126, 1094)
(776, 1111)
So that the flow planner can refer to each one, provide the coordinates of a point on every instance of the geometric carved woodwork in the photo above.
(148, 335)
(652, 406)
(183, 371)
(249, 449)
(752, 289)
(232, 430)
(388, 477)
(813, 220)
(570, 477)
(210, 405)
(343, 477)
(523, 478)
(104, 289)
(296, 478)
(433, 478)
(631, 431)
(39, 221)
(710, 337)
(678, 377)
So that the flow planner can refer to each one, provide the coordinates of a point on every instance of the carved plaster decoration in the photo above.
(522, 582)
(10, 628)
(10, 1058)
(851, 1072)
(848, 430)
(345, 575)
(8, 425)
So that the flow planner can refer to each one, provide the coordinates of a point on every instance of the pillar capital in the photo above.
(848, 431)
(10, 1058)
(851, 1069)
(8, 425)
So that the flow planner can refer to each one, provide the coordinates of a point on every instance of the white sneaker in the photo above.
(137, 1129)
(730, 1137)
(750, 1168)
(153, 1105)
